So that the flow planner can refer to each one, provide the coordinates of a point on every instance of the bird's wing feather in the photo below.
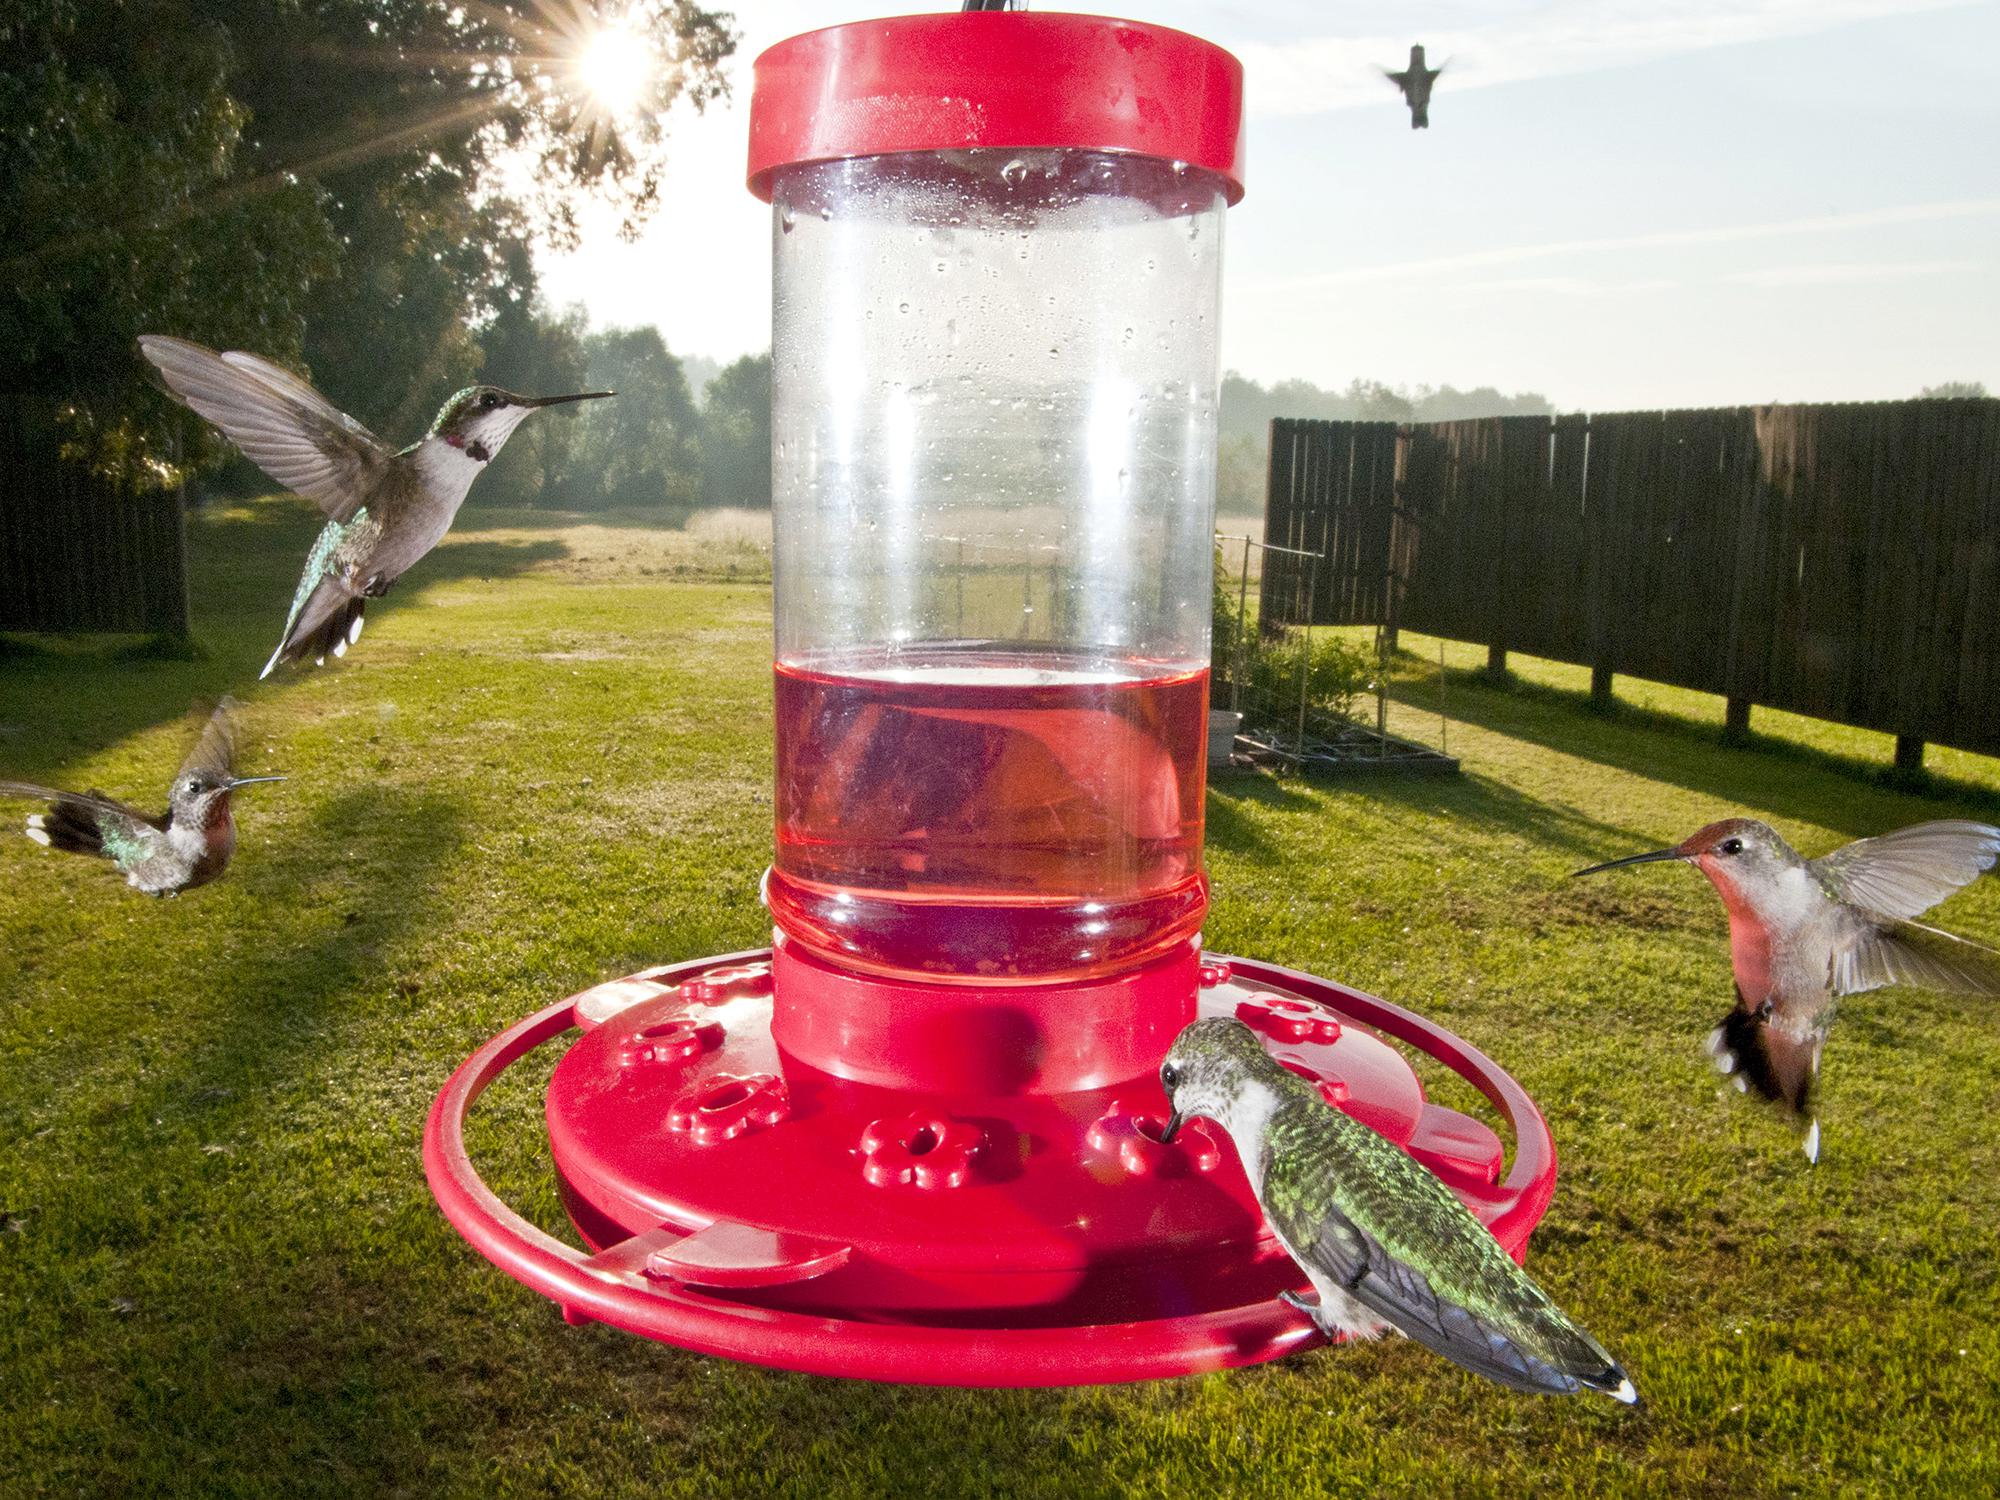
(288, 429)
(1401, 1294)
(1915, 954)
(1538, 1350)
(215, 751)
(92, 799)
(1904, 874)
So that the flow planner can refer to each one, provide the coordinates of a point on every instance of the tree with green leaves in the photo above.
(644, 449)
(122, 209)
(736, 439)
(340, 184)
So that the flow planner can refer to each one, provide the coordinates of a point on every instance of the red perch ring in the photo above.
(740, 1201)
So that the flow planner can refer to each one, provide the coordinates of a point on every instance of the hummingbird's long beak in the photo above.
(235, 782)
(559, 400)
(1631, 859)
(1173, 1128)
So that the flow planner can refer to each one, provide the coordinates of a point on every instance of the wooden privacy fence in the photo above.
(78, 552)
(1838, 561)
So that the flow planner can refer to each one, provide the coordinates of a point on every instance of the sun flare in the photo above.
(615, 66)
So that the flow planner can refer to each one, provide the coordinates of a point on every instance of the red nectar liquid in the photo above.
(950, 815)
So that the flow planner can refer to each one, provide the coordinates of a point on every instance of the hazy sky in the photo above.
(1618, 204)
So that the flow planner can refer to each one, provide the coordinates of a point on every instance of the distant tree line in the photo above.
(1243, 452)
(662, 442)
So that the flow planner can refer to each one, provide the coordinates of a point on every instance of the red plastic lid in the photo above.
(999, 79)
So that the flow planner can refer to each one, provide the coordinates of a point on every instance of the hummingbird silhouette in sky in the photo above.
(384, 509)
(1383, 1242)
(1415, 81)
(188, 845)
(1804, 932)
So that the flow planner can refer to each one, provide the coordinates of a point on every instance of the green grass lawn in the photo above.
(548, 763)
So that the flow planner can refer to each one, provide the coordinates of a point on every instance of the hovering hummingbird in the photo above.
(1382, 1241)
(187, 845)
(1415, 81)
(1804, 932)
(384, 509)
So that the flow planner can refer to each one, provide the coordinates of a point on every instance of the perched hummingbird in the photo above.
(1383, 1242)
(1415, 81)
(384, 510)
(1804, 932)
(187, 845)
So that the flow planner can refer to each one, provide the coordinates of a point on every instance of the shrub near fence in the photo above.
(1838, 561)
(78, 553)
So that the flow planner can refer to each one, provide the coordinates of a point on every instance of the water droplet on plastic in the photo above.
(1014, 173)
(902, 307)
(784, 221)
(826, 215)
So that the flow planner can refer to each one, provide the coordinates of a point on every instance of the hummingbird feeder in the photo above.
(918, 1138)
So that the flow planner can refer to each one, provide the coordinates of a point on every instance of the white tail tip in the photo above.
(1742, 1084)
(36, 833)
(354, 631)
(339, 650)
(1626, 1392)
(1812, 1144)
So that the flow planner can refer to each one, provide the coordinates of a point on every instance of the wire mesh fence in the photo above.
(1301, 692)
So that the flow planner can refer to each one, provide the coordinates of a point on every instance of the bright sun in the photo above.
(616, 66)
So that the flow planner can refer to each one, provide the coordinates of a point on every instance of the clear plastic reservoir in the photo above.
(994, 413)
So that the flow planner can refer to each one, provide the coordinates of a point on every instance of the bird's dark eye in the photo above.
(1730, 846)
(489, 400)
(1170, 1075)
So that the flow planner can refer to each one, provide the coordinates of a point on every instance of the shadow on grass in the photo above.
(353, 919)
(65, 698)
(1843, 792)
(1483, 805)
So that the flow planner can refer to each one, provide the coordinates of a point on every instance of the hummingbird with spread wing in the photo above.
(1415, 82)
(1805, 932)
(384, 510)
(188, 845)
(1383, 1242)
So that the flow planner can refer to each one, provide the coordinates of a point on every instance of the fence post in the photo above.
(1496, 663)
(1736, 721)
(1600, 688)
(1242, 619)
(1306, 652)
(1909, 755)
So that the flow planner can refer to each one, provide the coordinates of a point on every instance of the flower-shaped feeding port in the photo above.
(718, 985)
(728, 1106)
(673, 1038)
(923, 1148)
(1213, 971)
(1133, 1137)
(1332, 1090)
(1287, 1020)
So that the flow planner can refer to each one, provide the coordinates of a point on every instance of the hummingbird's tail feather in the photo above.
(1766, 1058)
(70, 825)
(328, 624)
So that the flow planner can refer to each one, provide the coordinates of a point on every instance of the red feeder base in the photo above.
(921, 1184)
